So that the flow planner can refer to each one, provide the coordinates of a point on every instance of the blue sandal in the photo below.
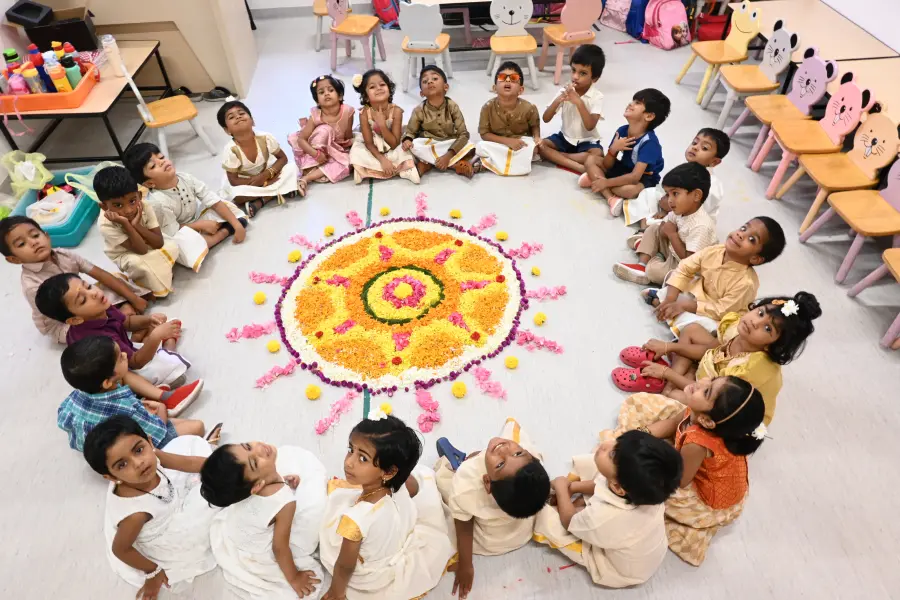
(454, 456)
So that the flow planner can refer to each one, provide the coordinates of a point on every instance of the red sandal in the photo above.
(631, 380)
(635, 356)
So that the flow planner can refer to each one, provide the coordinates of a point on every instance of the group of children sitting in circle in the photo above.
(672, 472)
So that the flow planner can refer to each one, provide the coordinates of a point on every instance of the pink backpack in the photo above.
(615, 13)
(666, 24)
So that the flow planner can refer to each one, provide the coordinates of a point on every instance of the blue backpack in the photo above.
(634, 22)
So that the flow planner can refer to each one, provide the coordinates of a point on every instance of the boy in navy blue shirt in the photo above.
(641, 163)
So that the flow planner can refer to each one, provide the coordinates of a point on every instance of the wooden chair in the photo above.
(825, 136)
(349, 27)
(576, 18)
(422, 24)
(748, 80)
(320, 10)
(870, 214)
(807, 88)
(891, 260)
(511, 40)
(745, 26)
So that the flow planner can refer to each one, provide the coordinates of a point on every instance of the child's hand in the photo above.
(207, 227)
(406, 145)
(443, 162)
(657, 347)
(158, 319)
(537, 147)
(139, 305)
(151, 587)
(329, 595)
(239, 234)
(571, 95)
(115, 217)
(465, 576)
(515, 144)
(561, 486)
(599, 184)
(621, 144)
(156, 408)
(652, 369)
(386, 166)
(292, 481)
(136, 219)
(668, 229)
(169, 329)
(304, 583)
(668, 310)
(321, 156)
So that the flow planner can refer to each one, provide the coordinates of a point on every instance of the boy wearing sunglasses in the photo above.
(510, 127)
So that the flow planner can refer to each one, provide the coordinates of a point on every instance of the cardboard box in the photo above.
(73, 25)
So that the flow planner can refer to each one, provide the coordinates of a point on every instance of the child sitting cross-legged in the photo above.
(642, 161)
(384, 534)
(493, 496)
(23, 242)
(510, 128)
(616, 527)
(684, 231)
(719, 279)
(273, 501)
(582, 109)
(257, 170)
(322, 146)
(180, 201)
(97, 369)
(155, 523)
(436, 133)
(86, 310)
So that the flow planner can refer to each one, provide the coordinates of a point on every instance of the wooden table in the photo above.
(101, 99)
(880, 75)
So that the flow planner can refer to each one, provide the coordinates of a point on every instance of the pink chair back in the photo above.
(337, 10)
(809, 81)
(875, 144)
(845, 109)
(577, 16)
(891, 193)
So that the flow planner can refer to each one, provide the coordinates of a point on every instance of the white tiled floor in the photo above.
(821, 518)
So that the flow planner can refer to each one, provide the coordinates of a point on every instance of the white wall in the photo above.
(264, 4)
(881, 18)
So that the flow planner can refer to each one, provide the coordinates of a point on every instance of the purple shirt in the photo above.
(113, 326)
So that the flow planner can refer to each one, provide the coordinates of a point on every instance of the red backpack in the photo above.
(666, 24)
(387, 11)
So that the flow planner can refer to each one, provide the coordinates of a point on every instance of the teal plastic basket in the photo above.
(70, 232)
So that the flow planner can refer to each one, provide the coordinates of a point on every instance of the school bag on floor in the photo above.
(666, 24)
(634, 22)
(615, 13)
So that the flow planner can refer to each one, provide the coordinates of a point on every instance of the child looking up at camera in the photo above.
(273, 500)
(436, 133)
(256, 168)
(616, 527)
(493, 497)
(322, 146)
(155, 523)
(684, 231)
(23, 242)
(510, 127)
(384, 534)
(582, 109)
(377, 152)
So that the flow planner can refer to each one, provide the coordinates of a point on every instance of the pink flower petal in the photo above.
(251, 331)
(345, 326)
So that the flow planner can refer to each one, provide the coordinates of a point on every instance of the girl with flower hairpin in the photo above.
(384, 534)
(752, 346)
(322, 145)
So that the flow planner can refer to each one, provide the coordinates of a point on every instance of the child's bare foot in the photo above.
(464, 168)
(170, 344)
(302, 186)
(422, 167)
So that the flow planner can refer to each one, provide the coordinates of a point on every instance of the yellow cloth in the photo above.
(719, 287)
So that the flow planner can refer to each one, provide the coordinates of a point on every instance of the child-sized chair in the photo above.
(577, 16)
(891, 258)
(511, 39)
(745, 26)
(870, 214)
(320, 10)
(808, 87)
(747, 80)
(875, 145)
(422, 24)
(825, 136)
(349, 27)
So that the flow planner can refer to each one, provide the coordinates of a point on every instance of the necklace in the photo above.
(170, 490)
(372, 493)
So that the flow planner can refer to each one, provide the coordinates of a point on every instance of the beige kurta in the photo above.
(495, 531)
(189, 201)
(719, 287)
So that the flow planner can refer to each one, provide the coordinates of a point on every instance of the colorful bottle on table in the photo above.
(73, 71)
(111, 49)
(4, 82)
(35, 85)
(60, 81)
(69, 50)
(57, 48)
(12, 59)
(37, 59)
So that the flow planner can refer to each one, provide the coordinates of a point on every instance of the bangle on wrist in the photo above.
(156, 572)
(643, 428)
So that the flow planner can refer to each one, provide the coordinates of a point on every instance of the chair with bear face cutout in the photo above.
(348, 27)
(577, 16)
(421, 25)
(511, 39)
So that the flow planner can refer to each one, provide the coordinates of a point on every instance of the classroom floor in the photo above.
(821, 518)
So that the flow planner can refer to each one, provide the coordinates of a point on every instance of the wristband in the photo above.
(148, 576)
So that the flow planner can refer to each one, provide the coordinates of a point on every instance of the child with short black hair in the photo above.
(155, 522)
(377, 152)
(582, 109)
(642, 158)
(265, 538)
(132, 238)
(510, 127)
(96, 368)
(180, 201)
(322, 145)
(684, 231)
(436, 133)
(616, 528)
(257, 170)
(493, 498)
(384, 534)
(23, 242)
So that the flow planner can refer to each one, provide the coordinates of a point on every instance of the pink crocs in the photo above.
(631, 380)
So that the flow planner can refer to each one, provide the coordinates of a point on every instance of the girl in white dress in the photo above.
(385, 535)
(265, 536)
(156, 523)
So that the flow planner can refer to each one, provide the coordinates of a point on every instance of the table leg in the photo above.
(8, 136)
(112, 134)
(162, 69)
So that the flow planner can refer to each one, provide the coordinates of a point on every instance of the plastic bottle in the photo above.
(69, 50)
(33, 79)
(112, 53)
(12, 59)
(58, 75)
(73, 71)
(37, 59)
(50, 59)
(17, 85)
(57, 49)
(4, 82)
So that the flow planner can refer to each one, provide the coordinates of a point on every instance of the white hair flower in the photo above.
(758, 433)
(377, 414)
(790, 308)
(357, 80)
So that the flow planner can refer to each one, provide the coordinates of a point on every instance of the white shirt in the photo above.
(716, 194)
(573, 126)
(696, 230)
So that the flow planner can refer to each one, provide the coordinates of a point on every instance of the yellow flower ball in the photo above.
(535, 271)
(273, 346)
(313, 392)
(455, 214)
(259, 297)
(295, 256)
(385, 211)
(540, 319)
(511, 362)
(329, 231)
(458, 389)
(386, 408)
(502, 236)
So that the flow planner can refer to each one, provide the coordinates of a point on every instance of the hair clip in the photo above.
(760, 432)
(316, 81)
(357, 80)
(778, 302)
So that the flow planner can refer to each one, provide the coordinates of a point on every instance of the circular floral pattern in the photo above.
(405, 302)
